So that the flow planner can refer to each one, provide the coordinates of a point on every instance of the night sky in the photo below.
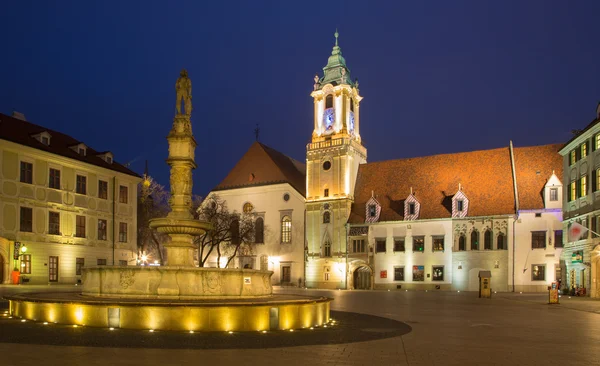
(436, 76)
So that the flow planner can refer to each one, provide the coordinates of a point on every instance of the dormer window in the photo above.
(107, 156)
(109, 159)
(373, 209)
(553, 191)
(80, 149)
(43, 137)
(460, 204)
(412, 207)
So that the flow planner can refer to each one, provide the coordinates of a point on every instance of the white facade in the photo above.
(286, 260)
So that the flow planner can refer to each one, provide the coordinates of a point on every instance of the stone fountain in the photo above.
(178, 295)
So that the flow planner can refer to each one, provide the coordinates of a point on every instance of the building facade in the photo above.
(68, 204)
(270, 185)
(581, 204)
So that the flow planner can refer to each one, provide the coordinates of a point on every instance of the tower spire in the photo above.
(336, 34)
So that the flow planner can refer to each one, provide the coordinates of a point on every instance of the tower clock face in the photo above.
(351, 123)
(328, 120)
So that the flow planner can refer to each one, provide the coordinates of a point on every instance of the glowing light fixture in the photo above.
(264, 331)
(111, 328)
(311, 328)
(23, 320)
(230, 332)
(291, 330)
(191, 332)
(151, 330)
(45, 323)
(74, 325)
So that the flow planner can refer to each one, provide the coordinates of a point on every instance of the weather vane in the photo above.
(256, 132)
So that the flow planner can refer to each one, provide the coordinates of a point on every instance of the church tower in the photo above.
(332, 160)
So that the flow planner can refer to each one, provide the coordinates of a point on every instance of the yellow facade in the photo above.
(60, 238)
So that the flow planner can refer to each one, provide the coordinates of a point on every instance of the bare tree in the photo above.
(153, 202)
(232, 233)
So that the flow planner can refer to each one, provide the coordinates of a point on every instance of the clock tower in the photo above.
(332, 160)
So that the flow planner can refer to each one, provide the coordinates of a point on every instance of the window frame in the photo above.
(433, 243)
(25, 220)
(433, 273)
(81, 184)
(475, 233)
(102, 229)
(358, 244)
(54, 178)
(327, 248)
(553, 194)
(259, 230)
(53, 227)
(558, 243)
(122, 232)
(123, 194)
(534, 277)
(412, 208)
(380, 243)
(101, 261)
(79, 263)
(460, 205)
(414, 240)
(488, 240)
(286, 229)
(462, 241)
(102, 189)
(397, 270)
(536, 243)
(504, 246)
(26, 172)
(326, 217)
(400, 248)
(80, 225)
(26, 260)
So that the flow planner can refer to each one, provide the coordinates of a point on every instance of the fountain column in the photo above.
(179, 223)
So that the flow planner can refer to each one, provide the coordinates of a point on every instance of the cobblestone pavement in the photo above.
(448, 328)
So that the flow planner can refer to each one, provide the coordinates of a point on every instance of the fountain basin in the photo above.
(179, 283)
(169, 225)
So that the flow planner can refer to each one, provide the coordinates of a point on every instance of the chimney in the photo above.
(19, 115)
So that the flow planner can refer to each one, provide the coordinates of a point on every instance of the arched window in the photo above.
(326, 217)
(487, 240)
(286, 229)
(259, 230)
(500, 241)
(475, 240)
(351, 104)
(462, 243)
(329, 101)
(327, 251)
(234, 229)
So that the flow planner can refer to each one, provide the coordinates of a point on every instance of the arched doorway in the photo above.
(362, 278)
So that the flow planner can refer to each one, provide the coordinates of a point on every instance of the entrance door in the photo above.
(362, 278)
(53, 269)
(286, 274)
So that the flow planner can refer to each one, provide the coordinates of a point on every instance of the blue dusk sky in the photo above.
(436, 76)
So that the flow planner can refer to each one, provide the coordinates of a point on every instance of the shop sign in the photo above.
(577, 256)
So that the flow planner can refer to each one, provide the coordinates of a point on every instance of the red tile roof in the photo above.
(21, 132)
(485, 177)
(262, 165)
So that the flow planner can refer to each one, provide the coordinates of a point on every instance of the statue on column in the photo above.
(183, 86)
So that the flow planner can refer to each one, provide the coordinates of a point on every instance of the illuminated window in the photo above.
(553, 194)
(26, 264)
(572, 157)
(538, 240)
(500, 242)
(597, 142)
(54, 223)
(54, 179)
(399, 245)
(538, 272)
(438, 244)
(398, 273)
(329, 101)
(380, 245)
(583, 187)
(326, 217)
(26, 172)
(487, 240)
(462, 243)
(584, 150)
(101, 229)
(123, 193)
(418, 244)
(572, 191)
(53, 268)
(123, 232)
(248, 207)
(437, 273)
(102, 189)
(259, 230)
(81, 184)
(26, 219)
(79, 263)
(475, 240)
(327, 248)
(80, 226)
(286, 229)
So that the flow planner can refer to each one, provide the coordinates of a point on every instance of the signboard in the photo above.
(418, 273)
(17, 249)
(383, 274)
(247, 280)
(553, 295)
(577, 256)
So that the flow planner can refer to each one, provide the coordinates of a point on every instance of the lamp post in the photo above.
(18, 252)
